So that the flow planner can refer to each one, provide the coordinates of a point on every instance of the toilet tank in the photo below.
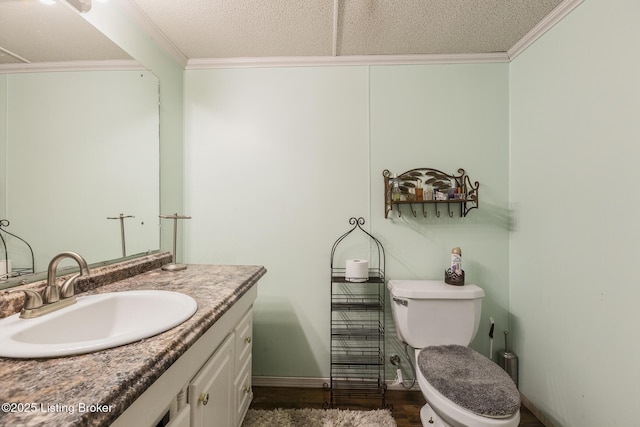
(431, 312)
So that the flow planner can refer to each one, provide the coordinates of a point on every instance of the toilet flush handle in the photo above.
(401, 301)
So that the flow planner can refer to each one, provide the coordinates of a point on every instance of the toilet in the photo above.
(462, 387)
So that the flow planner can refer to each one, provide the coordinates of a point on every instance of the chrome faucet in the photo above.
(53, 297)
(51, 292)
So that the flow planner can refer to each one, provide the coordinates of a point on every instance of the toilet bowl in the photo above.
(448, 414)
(439, 321)
(444, 411)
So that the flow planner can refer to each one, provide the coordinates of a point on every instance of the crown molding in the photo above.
(562, 10)
(41, 67)
(556, 15)
(154, 32)
(322, 61)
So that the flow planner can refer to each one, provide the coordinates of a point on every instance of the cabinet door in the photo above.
(210, 397)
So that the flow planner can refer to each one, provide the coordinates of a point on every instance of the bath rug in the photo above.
(470, 380)
(318, 418)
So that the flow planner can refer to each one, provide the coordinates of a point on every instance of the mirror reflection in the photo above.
(78, 148)
(81, 147)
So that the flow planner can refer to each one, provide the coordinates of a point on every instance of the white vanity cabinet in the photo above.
(182, 418)
(220, 394)
(211, 381)
(242, 382)
(210, 397)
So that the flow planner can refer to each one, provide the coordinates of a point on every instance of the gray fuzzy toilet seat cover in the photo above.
(470, 380)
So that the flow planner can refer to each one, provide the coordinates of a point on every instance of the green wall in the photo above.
(113, 20)
(74, 141)
(575, 103)
(3, 145)
(446, 117)
(277, 161)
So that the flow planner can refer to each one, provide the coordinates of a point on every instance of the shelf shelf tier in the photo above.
(458, 188)
(345, 391)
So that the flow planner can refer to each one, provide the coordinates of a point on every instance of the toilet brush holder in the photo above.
(508, 360)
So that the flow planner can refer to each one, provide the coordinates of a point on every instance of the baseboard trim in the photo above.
(306, 382)
(535, 411)
(310, 382)
(299, 382)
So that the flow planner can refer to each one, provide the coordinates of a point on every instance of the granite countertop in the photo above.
(94, 389)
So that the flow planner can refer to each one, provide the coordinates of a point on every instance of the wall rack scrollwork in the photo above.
(440, 188)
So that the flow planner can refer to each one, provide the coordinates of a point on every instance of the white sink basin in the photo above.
(95, 322)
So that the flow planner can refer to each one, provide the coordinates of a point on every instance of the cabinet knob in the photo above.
(204, 398)
(247, 340)
(247, 389)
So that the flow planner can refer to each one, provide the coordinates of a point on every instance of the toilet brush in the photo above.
(491, 338)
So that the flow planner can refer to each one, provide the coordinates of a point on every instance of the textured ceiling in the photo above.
(264, 28)
(221, 29)
(436, 26)
(38, 32)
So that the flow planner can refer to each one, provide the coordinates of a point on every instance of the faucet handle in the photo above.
(50, 294)
(67, 289)
(32, 298)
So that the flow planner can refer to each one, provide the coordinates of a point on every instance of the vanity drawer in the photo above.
(244, 393)
(244, 340)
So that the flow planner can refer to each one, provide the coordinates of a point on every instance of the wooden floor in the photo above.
(405, 405)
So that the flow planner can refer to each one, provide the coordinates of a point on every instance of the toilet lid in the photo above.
(470, 380)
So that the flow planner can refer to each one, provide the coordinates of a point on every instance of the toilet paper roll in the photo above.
(357, 270)
(3, 267)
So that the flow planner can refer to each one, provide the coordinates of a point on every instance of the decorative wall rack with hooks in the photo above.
(426, 186)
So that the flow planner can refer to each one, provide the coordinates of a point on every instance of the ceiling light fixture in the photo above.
(81, 6)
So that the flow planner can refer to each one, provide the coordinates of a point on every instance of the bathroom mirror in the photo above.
(80, 146)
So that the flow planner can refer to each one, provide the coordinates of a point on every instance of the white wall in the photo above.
(277, 161)
(575, 103)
